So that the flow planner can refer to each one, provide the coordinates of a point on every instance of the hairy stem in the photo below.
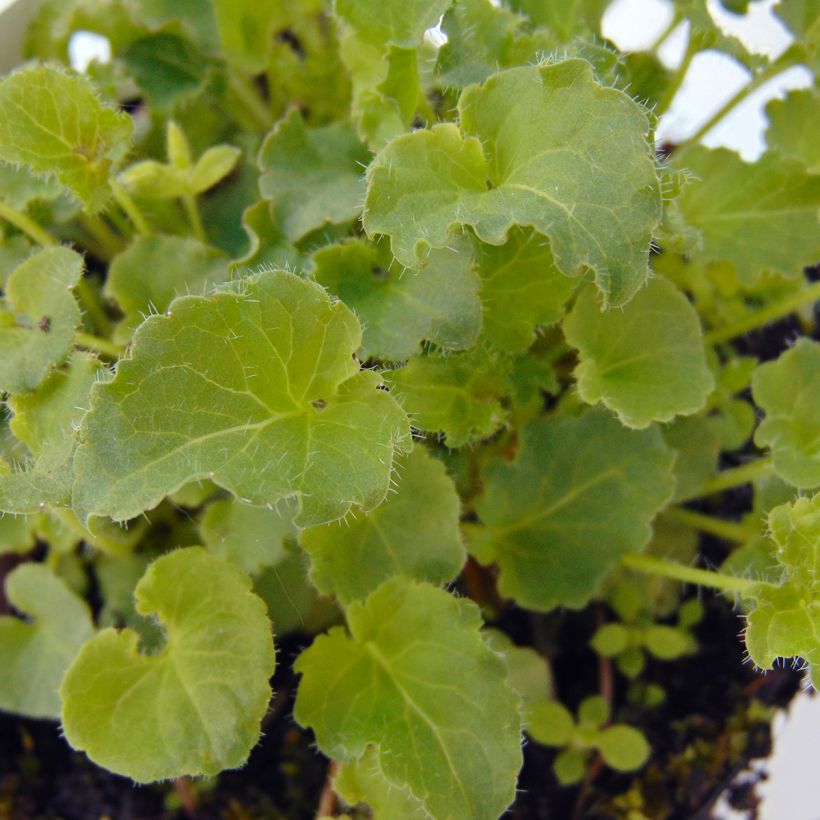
(727, 530)
(108, 243)
(733, 102)
(92, 306)
(126, 202)
(246, 94)
(191, 209)
(678, 78)
(98, 345)
(735, 477)
(764, 316)
(664, 35)
(688, 575)
(27, 225)
(100, 542)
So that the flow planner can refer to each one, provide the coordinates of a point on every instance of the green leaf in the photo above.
(457, 395)
(528, 672)
(35, 654)
(610, 640)
(246, 31)
(550, 723)
(791, 126)
(267, 248)
(521, 289)
(19, 187)
(54, 123)
(250, 537)
(147, 276)
(166, 67)
(580, 493)
(195, 706)
(414, 533)
(623, 748)
(565, 19)
(785, 620)
(213, 166)
(569, 766)
(593, 711)
(275, 406)
(314, 177)
(414, 673)
(45, 421)
(39, 318)
(480, 40)
(760, 217)
(542, 146)
(795, 529)
(641, 382)
(400, 308)
(399, 23)
(788, 391)
(362, 781)
(698, 448)
(294, 604)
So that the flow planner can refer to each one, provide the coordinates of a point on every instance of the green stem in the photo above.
(189, 201)
(109, 243)
(727, 530)
(757, 80)
(67, 517)
(93, 307)
(131, 208)
(678, 78)
(766, 315)
(688, 575)
(251, 101)
(663, 36)
(27, 225)
(98, 345)
(736, 476)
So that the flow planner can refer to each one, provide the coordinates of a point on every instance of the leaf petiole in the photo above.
(764, 316)
(127, 203)
(727, 530)
(26, 225)
(246, 94)
(768, 73)
(192, 210)
(735, 476)
(98, 345)
(688, 575)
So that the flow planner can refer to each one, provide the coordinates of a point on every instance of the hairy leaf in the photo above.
(541, 146)
(458, 395)
(250, 537)
(414, 533)
(788, 390)
(760, 217)
(45, 421)
(792, 126)
(35, 654)
(646, 361)
(414, 673)
(272, 405)
(39, 318)
(54, 123)
(147, 276)
(580, 493)
(195, 706)
(400, 308)
(314, 177)
(521, 289)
